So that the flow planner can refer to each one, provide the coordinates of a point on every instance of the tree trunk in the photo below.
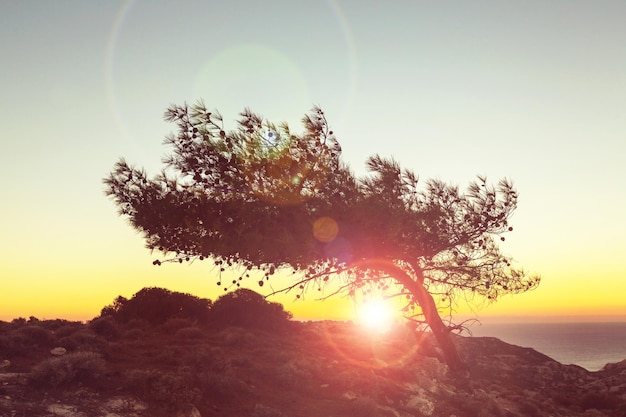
(426, 301)
(439, 329)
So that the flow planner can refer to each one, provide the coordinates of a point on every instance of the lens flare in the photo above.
(375, 315)
(325, 229)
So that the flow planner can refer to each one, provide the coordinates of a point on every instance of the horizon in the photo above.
(347, 312)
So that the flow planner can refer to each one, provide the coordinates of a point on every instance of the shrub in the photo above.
(105, 326)
(166, 390)
(138, 324)
(168, 356)
(172, 325)
(189, 333)
(189, 384)
(157, 305)
(264, 411)
(134, 334)
(35, 335)
(56, 324)
(8, 345)
(85, 340)
(293, 375)
(236, 336)
(18, 322)
(248, 309)
(220, 387)
(19, 341)
(73, 367)
(600, 401)
(4, 326)
(206, 359)
(67, 329)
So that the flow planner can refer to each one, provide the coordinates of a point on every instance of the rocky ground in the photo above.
(312, 369)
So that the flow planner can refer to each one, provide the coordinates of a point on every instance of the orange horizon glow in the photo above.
(48, 302)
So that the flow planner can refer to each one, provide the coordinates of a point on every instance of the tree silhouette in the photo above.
(157, 305)
(263, 198)
(249, 309)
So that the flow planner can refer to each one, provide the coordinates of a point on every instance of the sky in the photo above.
(533, 91)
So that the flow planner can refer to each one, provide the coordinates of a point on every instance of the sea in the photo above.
(589, 345)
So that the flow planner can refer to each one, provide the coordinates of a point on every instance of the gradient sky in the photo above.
(534, 91)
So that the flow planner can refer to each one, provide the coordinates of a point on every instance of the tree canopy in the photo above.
(262, 197)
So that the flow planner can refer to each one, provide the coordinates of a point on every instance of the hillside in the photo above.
(182, 367)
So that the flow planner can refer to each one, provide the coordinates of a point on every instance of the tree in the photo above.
(263, 198)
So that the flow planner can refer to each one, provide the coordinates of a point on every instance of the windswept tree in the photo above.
(262, 198)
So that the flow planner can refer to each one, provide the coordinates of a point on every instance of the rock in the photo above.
(421, 404)
(63, 410)
(4, 365)
(190, 412)
(13, 378)
(349, 396)
(125, 405)
(58, 351)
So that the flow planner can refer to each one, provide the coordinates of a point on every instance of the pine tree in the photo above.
(263, 198)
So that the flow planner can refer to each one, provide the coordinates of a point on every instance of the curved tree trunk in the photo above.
(439, 329)
(429, 308)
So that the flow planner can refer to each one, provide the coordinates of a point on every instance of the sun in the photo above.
(375, 315)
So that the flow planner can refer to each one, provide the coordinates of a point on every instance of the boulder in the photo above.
(58, 351)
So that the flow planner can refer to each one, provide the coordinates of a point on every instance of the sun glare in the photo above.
(375, 315)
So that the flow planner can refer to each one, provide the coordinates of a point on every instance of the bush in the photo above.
(83, 339)
(21, 340)
(138, 324)
(67, 329)
(105, 326)
(172, 325)
(248, 309)
(293, 375)
(134, 334)
(8, 345)
(236, 336)
(263, 411)
(220, 387)
(4, 326)
(35, 335)
(73, 367)
(189, 333)
(166, 390)
(56, 324)
(157, 305)
(600, 401)
(174, 391)
(206, 359)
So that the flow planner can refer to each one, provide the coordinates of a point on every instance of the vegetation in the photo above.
(314, 368)
(263, 198)
(178, 312)
(64, 370)
(156, 305)
(246, 308)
